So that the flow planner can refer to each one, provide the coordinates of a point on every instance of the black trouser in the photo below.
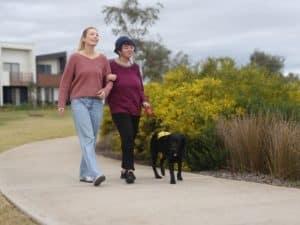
(127, 126)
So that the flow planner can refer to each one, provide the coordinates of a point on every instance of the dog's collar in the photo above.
(162, 134)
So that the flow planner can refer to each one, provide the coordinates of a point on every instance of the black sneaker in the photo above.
(123, 174)
(130, 178)
(98, 180)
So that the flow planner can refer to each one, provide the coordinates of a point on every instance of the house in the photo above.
(49, 69)
(17, 73)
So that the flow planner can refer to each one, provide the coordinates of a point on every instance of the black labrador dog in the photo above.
(171, 145)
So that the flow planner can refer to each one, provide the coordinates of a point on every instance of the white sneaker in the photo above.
(86, 179)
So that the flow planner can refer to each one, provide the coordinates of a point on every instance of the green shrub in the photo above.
(192, 103)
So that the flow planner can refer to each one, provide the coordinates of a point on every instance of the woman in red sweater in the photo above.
(125, 102)
(84, 82)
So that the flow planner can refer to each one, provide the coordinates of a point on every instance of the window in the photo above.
(43, 68)
(11, 67)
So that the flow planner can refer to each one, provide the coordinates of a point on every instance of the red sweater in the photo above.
(84, 77)
(127, 94)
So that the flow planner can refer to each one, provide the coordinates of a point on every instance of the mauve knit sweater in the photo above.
(84, 77)
(127, 93)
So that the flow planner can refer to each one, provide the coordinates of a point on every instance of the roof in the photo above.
(52, 56)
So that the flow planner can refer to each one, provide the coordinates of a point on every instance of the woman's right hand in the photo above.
(61, 110)
(101, 94)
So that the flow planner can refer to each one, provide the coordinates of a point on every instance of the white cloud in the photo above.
(200, 28)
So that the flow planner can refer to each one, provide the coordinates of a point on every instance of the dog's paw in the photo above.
(172, 182)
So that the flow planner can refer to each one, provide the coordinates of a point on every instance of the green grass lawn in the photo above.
(20, 127)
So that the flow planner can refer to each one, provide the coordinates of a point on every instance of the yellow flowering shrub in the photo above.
(192, 103)
(191, 107)
(188, 107)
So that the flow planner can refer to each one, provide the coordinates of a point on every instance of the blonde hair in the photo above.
(83, 35)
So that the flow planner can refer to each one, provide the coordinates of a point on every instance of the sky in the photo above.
(199, 28)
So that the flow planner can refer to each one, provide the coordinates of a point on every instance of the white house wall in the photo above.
(17, 56)
(55, 97)
(5, 78)
(19, 53)
(32, 64)
(1, 77)
(1, 95)
(43, 97)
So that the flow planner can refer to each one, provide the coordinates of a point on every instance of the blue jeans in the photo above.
(87, 114)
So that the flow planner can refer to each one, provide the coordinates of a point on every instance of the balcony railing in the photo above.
(20, 79)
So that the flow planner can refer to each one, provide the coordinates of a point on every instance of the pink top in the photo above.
(84, 77)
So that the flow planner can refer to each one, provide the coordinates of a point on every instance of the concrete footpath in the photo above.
(42, 179)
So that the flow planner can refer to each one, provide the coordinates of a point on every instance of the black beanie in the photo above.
(121, 41)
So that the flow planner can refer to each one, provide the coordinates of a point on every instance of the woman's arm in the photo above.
(66, 80)
(111, 77)
(142, 94)
(107, 81)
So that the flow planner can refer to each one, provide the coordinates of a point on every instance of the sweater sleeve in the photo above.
(66, 81)
(142, 94)
(107, 85)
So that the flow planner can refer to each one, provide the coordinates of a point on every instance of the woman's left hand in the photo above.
(101, 94)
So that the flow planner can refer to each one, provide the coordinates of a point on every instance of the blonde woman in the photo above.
(86, 82)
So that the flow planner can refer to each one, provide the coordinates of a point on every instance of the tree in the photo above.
(217, 67)
(129, 19)
(274, 64)
(156, 60)
(132, 20)
(32, 94)
(179, 59)
(293, 77)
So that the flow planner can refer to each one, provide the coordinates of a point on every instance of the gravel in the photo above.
(251, 177)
